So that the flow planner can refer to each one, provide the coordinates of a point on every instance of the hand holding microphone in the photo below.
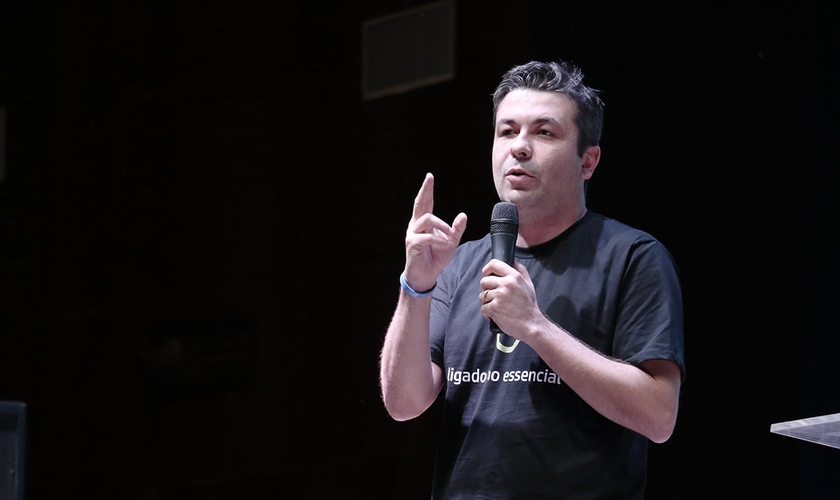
(504, 227)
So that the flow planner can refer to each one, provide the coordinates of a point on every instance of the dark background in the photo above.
(202, 229)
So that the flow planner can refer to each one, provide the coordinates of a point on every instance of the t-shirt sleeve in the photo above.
(650, 319)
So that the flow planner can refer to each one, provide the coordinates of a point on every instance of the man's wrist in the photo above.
(412, 292)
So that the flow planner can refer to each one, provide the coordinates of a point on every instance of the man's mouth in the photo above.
(516, 172)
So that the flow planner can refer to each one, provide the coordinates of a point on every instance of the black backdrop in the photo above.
(202, 231)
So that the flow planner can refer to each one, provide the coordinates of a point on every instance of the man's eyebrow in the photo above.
(547, 119)
(539, 121)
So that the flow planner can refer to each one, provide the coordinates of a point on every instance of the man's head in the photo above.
(566, 79)
(547, 127)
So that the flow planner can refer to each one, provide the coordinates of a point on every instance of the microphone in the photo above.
(504, 226)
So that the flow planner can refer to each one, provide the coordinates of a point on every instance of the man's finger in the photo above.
(425, 201)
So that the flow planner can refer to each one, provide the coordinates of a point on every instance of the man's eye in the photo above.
(507, 132)
(545, 132)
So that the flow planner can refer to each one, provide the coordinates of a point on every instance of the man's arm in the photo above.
(409, 380)
(644, 399)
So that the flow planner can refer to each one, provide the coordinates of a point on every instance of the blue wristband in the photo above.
(413, 292)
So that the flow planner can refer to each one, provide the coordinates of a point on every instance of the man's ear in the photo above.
(591, 157)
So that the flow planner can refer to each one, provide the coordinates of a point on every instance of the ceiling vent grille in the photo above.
(407, 50)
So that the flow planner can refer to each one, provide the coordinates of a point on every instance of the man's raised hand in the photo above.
(430, 242)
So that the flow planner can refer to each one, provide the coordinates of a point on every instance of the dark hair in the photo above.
(560, 77)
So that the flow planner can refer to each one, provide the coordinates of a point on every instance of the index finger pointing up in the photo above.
(424, 203)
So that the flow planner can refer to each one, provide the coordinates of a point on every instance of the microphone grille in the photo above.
(505, 218)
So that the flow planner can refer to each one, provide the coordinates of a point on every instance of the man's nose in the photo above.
(521, 146)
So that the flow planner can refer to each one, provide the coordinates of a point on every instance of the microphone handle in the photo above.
(503, 248)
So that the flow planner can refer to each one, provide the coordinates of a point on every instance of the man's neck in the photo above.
(535, 231)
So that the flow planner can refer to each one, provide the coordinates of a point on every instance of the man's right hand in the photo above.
(430, 242)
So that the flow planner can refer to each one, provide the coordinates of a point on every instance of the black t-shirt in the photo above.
(511, 429)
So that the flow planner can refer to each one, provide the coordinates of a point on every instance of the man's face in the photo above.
(535, 160)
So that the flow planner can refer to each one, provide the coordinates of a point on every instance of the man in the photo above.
(593, 306)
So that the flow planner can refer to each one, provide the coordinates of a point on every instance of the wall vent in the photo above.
(407, 50)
